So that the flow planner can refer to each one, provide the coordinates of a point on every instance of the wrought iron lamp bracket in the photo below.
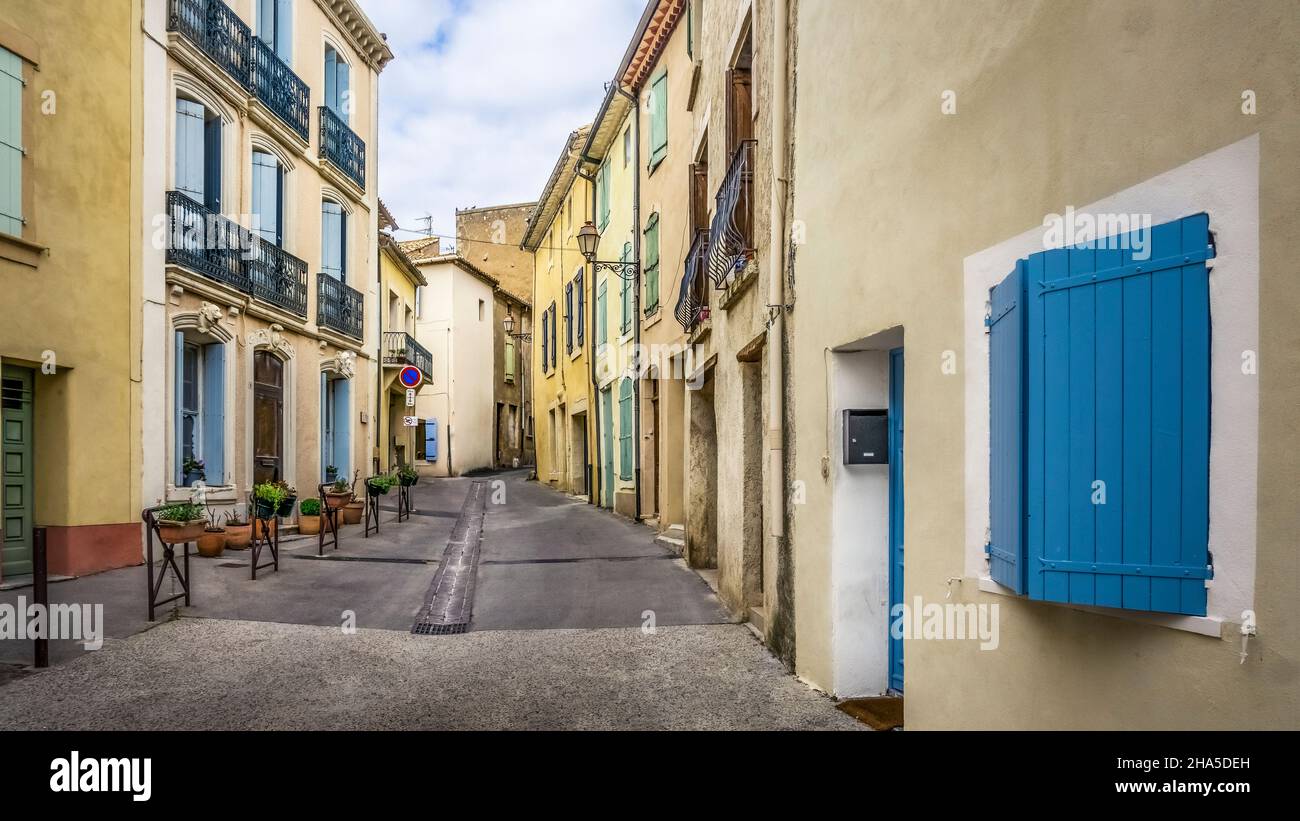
(622, 270)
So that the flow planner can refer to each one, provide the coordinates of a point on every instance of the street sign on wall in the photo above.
(411, 421)
(411, 377)
(410, 397)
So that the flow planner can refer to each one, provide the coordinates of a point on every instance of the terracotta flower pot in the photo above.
(308, 525)
(352, 513)
(180, 532)
(211, 543)
(337, 500)
(238, 536)
(257, 528)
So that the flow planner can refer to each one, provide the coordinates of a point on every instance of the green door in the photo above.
(16, 460)
(607, 447)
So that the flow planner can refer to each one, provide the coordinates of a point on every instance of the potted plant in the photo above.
(407, 475)
(180, 523)
(309, 517)
(338, 494)
(354, 509)
(331, 473)
(291, 496)
(213, 540)
(193, 469)
(268, 497)
(380, 484)
(238, 531)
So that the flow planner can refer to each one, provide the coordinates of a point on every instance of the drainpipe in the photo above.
(775, 271)
(591, 356)
(636, 294)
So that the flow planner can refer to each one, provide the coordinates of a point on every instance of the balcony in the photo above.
(342, 147)
(401, 349)
(206, 243)
(732, 231)
(338, 306)
(693, 301)
(216, 31)
(282, 91)
(278, 277)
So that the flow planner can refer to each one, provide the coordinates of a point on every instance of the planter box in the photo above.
(181, 532)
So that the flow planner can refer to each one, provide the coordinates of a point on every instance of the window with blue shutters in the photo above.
(11, 143)
(333, 240)
(199, 417)
(431, 440)
(198, 153)
(337, 82)
(275, 27)
(1100, 420)
(268, 197)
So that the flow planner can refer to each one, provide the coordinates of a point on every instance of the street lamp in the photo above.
(509, 324)
(588, 239)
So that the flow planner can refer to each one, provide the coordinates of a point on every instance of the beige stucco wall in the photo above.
(172, 293)
(1056, 104)
(489, 238)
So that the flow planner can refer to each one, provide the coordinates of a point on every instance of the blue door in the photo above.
(895, 516)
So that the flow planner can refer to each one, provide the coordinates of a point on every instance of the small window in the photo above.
(627, 146)
(481, 306)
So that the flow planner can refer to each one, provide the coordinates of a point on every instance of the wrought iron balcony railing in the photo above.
(217, 31)
(342, 147)
(693, 300)
(275, 84)
(400, 348)
(205, 242)
(278, 277)
(732, 233)
(338, 306)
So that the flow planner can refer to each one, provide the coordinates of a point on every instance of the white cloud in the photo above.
(476, 106)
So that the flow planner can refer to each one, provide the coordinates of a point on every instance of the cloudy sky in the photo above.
(476, 106)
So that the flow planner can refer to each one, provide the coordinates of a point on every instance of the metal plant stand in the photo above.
(403, 502)
(179, 572)
(329, 520)
(270, 538)
(372, 510)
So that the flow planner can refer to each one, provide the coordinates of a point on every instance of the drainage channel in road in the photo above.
(449, 602)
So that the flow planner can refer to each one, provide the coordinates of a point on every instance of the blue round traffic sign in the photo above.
(411, 376)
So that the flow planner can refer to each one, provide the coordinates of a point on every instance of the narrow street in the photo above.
(579, 621)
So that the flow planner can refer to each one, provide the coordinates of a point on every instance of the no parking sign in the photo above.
(411, 376)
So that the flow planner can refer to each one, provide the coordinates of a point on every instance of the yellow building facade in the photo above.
(561, 374)
(399, 281)
(70, 327)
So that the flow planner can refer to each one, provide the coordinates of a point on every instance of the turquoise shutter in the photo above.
(11, 143)
(625, 293)
(190, 154)
(178, 399)
(1117, 389)
(602, 313)
(214, 413)
(1006, 432)
(652, 263)
(659, 119)
(431, 440)
(342, 428)
(625, 430)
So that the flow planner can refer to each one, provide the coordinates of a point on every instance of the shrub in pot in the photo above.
(194, 470)
(338, 494)
(331, 473)
(238, 531)
(407, 475)
(268, 497)
(380, 485)
(309, 517)
(213, 540)
(285, 509)
(180, 523)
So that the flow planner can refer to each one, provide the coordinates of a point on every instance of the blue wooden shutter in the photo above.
(1006, 432)
(431, 440)
(267, 184)
(284, 31)
(332, 246)
(342, 427)
(178, 399)
(326, 440)
(343, 105)
(1117, 389)
(11, 143)
(214, 413)
(212, 165)
(331, 80)
(190, 152)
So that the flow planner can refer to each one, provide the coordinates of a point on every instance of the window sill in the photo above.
(1202, 625)
(654, 165)
(22, 251)
(653, 317)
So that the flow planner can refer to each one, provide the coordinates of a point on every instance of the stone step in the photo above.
(672, 543)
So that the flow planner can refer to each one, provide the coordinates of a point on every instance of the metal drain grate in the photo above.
(449, 602)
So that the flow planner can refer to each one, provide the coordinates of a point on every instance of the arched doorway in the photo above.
(268, 416)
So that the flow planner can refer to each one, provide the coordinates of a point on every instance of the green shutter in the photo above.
(659, 119)
(652, 264)
(602, 190)
(625, 293)
(11, 143)
(602, 314)
(625, 430)
(510, 360)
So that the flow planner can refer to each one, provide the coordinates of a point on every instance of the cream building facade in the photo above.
(259, 191)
